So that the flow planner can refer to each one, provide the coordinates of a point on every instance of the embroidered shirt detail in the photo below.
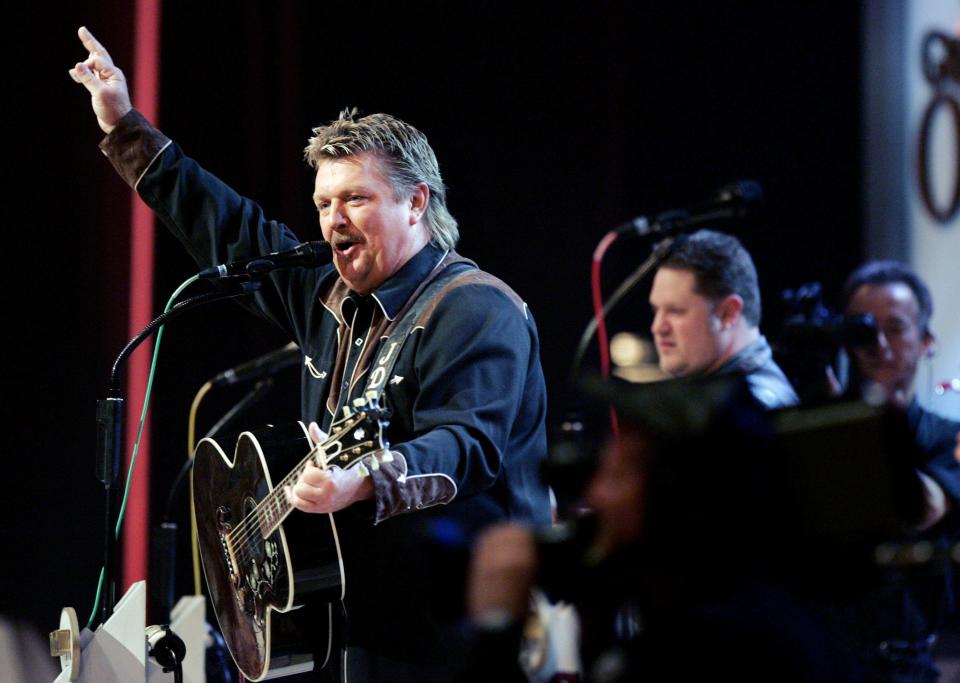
(311, 368)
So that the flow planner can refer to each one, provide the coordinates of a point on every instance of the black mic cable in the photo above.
(259, 367)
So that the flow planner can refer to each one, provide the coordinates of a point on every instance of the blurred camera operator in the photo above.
(896, 627)
(682, 574)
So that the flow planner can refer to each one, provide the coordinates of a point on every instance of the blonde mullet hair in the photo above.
(407, 159)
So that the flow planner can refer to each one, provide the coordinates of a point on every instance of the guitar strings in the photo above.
(275, 502)
(251, 524)
(250, 528)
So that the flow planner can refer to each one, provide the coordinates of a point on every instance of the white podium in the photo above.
(117, 651)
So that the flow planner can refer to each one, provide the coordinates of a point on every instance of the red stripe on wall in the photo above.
(145, 89)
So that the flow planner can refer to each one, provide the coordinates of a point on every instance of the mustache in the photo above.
(342, 241)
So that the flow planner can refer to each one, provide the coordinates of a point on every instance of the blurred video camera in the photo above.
(812, 345)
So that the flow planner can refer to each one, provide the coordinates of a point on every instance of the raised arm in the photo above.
(105, 82)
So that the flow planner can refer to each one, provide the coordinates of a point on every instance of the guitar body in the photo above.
(271, 594)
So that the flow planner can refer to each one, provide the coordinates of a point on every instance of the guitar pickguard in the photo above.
(261, 569)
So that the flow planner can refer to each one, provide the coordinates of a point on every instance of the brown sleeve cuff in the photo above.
(132, 146)
(395, 493)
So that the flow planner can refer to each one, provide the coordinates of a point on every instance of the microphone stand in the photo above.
(259, 390)
(657, 256)
(569, 462)
(164, 550)
(674, 225)
(565, 466)
(109, 425)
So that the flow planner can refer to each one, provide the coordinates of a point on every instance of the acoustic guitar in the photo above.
(273, 576)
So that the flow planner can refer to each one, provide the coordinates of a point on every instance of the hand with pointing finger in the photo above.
(105, 82)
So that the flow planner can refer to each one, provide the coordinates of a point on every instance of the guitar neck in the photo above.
(271, 512)
(351, 438)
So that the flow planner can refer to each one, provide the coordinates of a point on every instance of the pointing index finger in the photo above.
(92, 44)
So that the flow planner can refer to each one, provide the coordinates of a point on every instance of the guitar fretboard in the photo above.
(350, 439)
(274, 508)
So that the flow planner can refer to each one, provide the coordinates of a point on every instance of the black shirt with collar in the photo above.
(467, 394)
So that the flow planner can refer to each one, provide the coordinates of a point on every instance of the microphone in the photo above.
(262, 366)
(306, 255)
(730, 201)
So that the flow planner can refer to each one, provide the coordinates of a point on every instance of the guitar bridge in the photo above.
(224, 528)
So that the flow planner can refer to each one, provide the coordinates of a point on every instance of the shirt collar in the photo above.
(749, 358)
(391, 295)
(395, 292)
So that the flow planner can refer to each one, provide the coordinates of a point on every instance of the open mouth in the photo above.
(345, 245)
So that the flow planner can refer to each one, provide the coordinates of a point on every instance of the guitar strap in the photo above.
(417, 308)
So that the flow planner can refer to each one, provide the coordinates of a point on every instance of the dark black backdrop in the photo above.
(551, 125)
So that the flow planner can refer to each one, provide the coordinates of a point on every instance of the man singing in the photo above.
(466, 391)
